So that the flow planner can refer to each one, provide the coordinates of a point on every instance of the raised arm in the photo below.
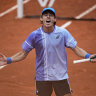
(15, 58)
(79, 52)
(82, 53)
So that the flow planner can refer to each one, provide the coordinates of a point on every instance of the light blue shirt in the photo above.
(51, 57)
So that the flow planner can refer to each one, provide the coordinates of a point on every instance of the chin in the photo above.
(48, 26)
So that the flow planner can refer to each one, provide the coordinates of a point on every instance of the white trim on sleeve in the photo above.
(28, 44)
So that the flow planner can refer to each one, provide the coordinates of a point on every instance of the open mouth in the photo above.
(48, 21)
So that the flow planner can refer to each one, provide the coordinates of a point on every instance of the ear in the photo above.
(41, 19)
(55, 19)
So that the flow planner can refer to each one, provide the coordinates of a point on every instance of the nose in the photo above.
(48, 15)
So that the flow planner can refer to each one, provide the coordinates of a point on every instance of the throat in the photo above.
(48, 29)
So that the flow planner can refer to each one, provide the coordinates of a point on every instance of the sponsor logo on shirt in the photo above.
(57, 37)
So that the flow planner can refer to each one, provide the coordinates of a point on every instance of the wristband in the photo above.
(87, 55)
(9, 60)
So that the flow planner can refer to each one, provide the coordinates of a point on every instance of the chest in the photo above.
(52, 39)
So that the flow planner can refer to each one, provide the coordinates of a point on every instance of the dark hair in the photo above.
(49, 11)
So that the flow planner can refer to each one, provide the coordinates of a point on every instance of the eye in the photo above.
(45, 14)
(51, 15)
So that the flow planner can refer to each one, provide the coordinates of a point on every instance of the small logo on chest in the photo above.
(57, 37)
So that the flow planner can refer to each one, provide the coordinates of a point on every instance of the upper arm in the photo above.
(29, 43)
(70, 42)
(24, 53)
(76, 48)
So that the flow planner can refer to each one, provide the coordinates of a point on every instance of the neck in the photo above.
(48, 29)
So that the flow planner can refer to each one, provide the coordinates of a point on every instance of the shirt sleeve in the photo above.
(70, 42)
(28, 44)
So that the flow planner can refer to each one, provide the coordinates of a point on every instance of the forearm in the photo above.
(15, 58)
(18, 56)
(79, 52)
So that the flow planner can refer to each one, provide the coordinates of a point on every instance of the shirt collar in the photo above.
(42, 31)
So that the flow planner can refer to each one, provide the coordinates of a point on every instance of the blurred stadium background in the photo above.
(17, 79)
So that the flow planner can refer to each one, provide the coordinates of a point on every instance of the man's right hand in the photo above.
(3, 60)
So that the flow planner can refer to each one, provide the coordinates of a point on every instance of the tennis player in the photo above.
(50, 43)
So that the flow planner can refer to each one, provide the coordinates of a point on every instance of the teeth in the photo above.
(47, 21)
